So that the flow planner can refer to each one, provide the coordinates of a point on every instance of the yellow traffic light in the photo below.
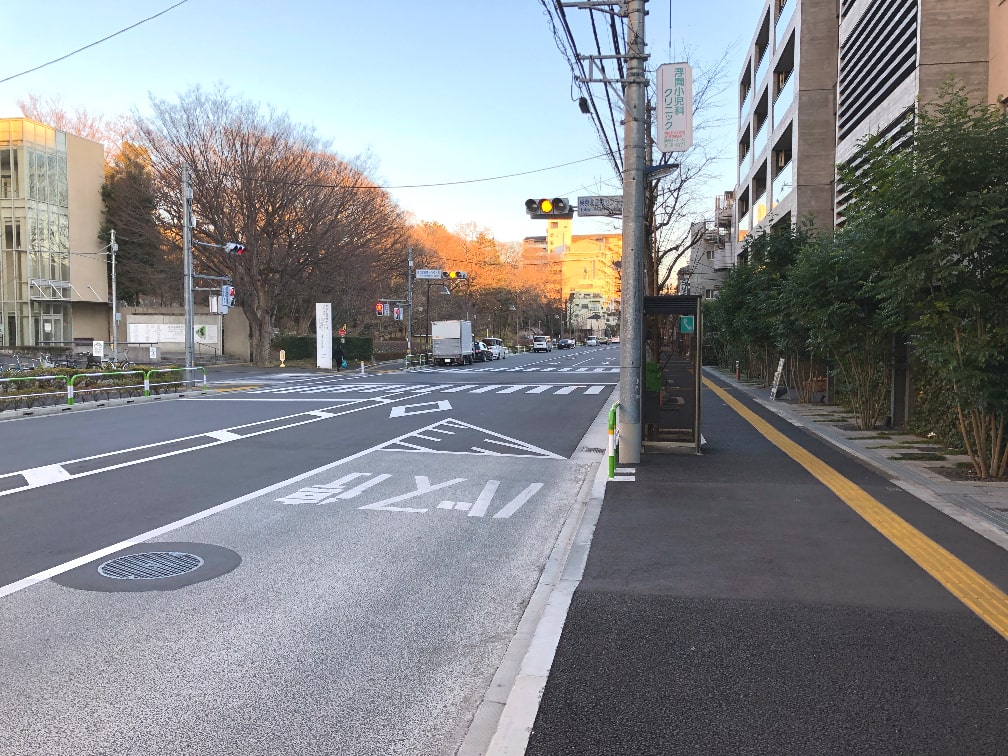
(557, 207)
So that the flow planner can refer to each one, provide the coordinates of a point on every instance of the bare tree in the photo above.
(303, 213)
(672, 202)
(110, 132)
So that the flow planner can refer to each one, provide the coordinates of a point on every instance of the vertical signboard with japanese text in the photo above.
(323, 335)
(675, 107)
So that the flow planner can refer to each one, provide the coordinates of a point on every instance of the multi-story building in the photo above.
(583, 272)
(821, 75)
(786, 117)
(711, 252)
(53, 273)
(894, 54)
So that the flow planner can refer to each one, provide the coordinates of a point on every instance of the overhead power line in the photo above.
(93, 44)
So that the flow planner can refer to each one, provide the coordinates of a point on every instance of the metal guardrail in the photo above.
(613, 438)
(75, 387)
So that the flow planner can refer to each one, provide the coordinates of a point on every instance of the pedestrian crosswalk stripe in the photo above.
(392, 391)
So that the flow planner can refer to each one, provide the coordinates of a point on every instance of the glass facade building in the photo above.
(37, 204)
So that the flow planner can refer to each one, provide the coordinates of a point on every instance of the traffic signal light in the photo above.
(458, 275)
(233, 248)
(544, 209)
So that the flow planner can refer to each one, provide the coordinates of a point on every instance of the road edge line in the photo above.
(503, 720)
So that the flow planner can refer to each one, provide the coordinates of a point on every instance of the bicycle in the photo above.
(110, 363)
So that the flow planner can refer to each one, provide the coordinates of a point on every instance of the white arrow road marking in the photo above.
(412, 409)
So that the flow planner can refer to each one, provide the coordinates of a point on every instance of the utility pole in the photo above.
(113, 248)
(187, 264)
(409, 302)
(632, 314)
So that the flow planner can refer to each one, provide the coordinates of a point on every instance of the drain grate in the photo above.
(150, 565)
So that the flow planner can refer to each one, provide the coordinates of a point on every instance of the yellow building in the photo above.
(581, 271)
(53, 276)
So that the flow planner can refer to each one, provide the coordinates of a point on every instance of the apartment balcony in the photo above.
(760, 141)
(783, 183)
(784, 18)
(745, 166)
(744, 226)
(782, 103)
(761, 69)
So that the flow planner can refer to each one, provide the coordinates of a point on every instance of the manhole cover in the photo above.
(150, 565)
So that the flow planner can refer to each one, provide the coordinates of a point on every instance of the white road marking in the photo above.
(486, 389)
(226, 435)
(569, 389)
(41, 476)
(412, 409)
(423, 486)
(482, 502)
(516, 503)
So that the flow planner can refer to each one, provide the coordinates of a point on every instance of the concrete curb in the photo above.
(503, 722)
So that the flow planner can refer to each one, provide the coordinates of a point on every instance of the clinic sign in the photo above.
(675, 107)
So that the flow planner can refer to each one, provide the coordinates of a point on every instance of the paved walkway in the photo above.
(759, 599)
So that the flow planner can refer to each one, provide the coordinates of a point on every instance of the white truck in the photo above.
(451, 342)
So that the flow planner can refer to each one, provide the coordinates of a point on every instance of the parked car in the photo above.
(481, 352)
(496, 347)
(565, 344)
(542, 344)
(591, 341)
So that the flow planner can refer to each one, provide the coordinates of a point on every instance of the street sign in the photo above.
(675, 107)
(611, 207)
(686, 323)
(428, 273)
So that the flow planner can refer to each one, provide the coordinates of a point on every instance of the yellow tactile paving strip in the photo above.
(982, 597)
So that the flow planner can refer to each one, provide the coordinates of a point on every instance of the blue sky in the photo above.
(438, 91)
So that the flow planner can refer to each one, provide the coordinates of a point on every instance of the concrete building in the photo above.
(897, 53)
(786, 120)
(712, 254)
(581, 271)
(821, 75)
(53, 270)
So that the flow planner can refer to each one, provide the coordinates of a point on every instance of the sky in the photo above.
(466, 107)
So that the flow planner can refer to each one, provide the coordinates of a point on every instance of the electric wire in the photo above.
(93, 44)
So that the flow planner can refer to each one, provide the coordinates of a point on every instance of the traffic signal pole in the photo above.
(187, 264)
(632, 304)
(409, 302)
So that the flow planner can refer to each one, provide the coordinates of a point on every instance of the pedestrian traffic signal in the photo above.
(379, 309)
(542, 209)
(227, 295)
(233, 248)
(458, 275)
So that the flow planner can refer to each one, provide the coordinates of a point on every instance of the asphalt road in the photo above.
(366, 548)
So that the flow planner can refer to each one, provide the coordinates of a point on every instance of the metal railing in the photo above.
(29, 391)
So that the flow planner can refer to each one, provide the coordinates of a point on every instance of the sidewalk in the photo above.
(731, 603)
(980, 506)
